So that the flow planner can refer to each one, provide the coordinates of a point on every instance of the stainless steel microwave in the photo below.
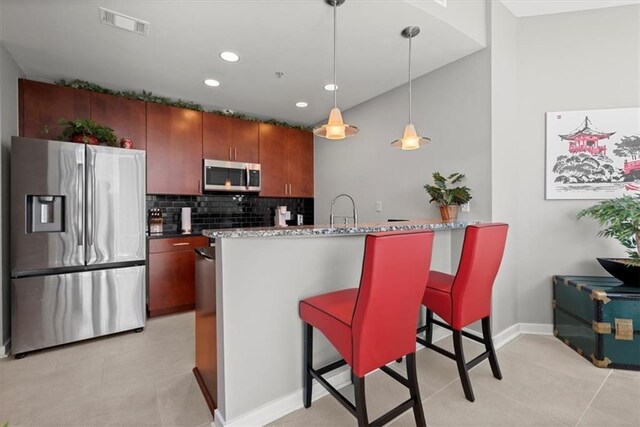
(231, 176)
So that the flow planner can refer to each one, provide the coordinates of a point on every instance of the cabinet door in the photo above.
(299, 162)
(171, 282)
(127, 117)
(273, 161)
(174, 150)
(216, 137)
(42, 105)
(245, 140)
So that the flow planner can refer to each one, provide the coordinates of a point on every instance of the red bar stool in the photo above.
(374, 324)
(466, 298)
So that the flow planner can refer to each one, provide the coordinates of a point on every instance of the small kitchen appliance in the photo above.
(281, 216)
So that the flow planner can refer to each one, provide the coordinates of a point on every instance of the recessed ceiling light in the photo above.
(229, 56)
(212, 83)
(301, 104)
(330, 87)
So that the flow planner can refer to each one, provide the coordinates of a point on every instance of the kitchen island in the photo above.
(261, 274)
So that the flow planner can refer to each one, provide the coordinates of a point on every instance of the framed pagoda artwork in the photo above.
(593, 154)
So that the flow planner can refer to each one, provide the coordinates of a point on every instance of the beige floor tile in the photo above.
(596, 418)
(181, 402)
(545, 351)
(449, 408)
(33, 366)
(322, 413)
(619, 397)
(49, 393)
(548, 391)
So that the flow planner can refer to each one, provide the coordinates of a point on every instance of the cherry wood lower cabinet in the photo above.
(171, 268)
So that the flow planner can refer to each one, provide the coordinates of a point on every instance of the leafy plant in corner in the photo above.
(443, 194)
(87, 131)
(620, 219)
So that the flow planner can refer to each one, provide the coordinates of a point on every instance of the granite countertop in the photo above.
(325, 230)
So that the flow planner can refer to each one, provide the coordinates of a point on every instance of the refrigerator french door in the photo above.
(77, 242)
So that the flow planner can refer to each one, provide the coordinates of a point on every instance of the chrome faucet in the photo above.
(355, 211)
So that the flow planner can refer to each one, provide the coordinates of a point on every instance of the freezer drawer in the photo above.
(59, 309)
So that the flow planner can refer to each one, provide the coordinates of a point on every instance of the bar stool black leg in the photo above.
(308, 363)
(462, 366)
(361, 402)
(414, 390)
(488, 344)
(428, 333)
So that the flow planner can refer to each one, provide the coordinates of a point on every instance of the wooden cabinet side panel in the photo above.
(300, 162)
(171, 280)
(245, 140)
(174, 150)
(42, 105)
(216, 136)
(273, 161)
(127, 117)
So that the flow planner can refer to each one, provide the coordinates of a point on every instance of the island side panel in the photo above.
(262, 280)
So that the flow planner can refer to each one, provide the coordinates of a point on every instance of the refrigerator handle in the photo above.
(91, 184)
(80, 193)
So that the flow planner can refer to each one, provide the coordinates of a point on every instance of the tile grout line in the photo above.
(594, 397)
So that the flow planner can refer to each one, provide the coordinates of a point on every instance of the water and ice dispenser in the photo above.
(45, 214)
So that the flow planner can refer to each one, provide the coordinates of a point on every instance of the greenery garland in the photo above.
(180, 103)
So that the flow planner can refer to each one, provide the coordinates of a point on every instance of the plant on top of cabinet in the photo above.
(620, 219)
(87, 131)
(448, 198)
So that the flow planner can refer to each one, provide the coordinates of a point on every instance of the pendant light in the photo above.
(410, 139)
(335, 128)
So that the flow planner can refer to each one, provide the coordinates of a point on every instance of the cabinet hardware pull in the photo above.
(235, 153)
(181, 244)
(289, 189)
(230, 158)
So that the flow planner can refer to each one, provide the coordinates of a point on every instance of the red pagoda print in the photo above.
(586, 139)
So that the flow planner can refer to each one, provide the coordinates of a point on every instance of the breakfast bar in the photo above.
(260, 276)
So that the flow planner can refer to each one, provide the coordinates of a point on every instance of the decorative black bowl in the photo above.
(618, 268)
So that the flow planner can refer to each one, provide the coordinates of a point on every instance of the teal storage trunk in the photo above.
(598, 318)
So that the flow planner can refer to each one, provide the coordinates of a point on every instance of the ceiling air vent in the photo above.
(115, 19)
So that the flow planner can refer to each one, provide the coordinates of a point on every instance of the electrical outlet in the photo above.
(378, 206)
(466, 207)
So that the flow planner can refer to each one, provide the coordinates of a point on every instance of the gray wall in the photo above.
(9, 73)
(504, 171)
(550, 239)
(451, 106)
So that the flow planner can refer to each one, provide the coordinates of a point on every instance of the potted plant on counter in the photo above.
(620, 219)
(87, 131)
(448, 198)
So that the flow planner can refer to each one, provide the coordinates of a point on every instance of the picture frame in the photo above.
(592, 154)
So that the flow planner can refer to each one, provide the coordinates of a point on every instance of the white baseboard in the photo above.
(281, 407)
(5, 349)
(287, 404)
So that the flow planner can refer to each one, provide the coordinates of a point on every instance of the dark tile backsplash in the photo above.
(228, 210)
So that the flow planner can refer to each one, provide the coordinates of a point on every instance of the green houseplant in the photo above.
(87, 131)
(448, 197)
(620, 219)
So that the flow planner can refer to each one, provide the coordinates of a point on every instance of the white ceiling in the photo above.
(522, 8)
(53, 39)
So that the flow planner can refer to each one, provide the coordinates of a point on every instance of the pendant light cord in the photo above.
(335, 37)
(410, 79)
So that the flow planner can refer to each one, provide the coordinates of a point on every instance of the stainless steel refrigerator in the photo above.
(78, 244)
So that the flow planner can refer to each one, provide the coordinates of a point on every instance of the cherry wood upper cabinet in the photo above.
(127, 117)
(216, 137)
(299, 163)
(228, 138)
(174, 150)
(245, 140)
(42, 105)
(273, 161)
